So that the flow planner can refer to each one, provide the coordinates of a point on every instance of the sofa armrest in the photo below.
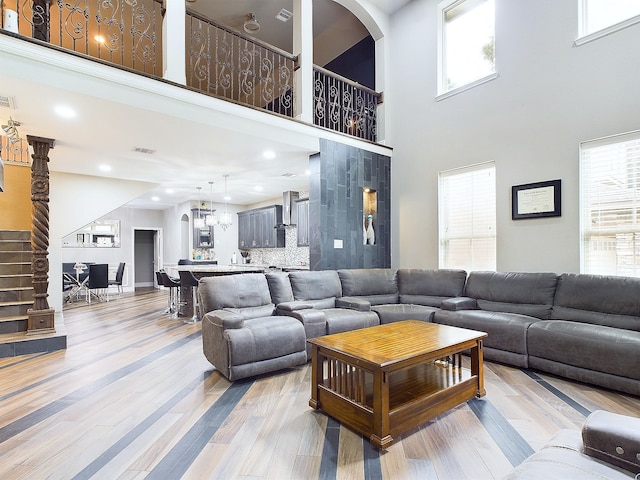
(459, 303)
(613, 438)
(293, 306)
(353, 303)
(225, 319)
(314, 321)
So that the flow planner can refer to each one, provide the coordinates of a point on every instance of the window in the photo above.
(467, 218)
(602, 17)
(610, 205)
(466, 43)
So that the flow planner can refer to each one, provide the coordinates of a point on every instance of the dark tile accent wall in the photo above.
(338, 175)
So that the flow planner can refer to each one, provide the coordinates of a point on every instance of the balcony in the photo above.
(218, 60)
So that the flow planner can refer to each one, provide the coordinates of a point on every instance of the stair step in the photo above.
(13, 324)
(15, 245)
(16, 294)
(21, 343)
(15, 268)
(17, 280)
(15, 235)
(15, 256)
(10, 309)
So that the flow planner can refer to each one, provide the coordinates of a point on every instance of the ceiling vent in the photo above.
(284, 15)
(146, 151)
(289, 175)
(8, 102)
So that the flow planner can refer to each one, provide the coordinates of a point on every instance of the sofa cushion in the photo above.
(591, 347)
(320, 288)
(376, 285)
(507, 332)
(235, 292)
(342, 319)
(280, 287)
(429, 287)
(599, 299)
(514, 292)
(394, 313)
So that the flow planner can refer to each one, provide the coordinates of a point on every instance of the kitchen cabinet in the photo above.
(202, 237)
(256, 228)
(302, 207)
(245, 235)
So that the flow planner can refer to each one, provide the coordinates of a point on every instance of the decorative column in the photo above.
(40, 317)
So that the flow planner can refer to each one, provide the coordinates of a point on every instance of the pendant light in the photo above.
(225, 220)
(198, 222)
(211, 218)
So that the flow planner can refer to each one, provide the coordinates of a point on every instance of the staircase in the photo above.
(16, 297)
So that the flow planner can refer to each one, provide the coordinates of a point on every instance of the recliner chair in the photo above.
(241, 336)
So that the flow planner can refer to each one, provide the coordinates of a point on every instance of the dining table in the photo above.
(78, 282)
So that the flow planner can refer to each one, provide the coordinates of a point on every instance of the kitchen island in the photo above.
(199, 271)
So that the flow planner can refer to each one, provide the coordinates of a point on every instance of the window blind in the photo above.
(610, 205)
(467, 218)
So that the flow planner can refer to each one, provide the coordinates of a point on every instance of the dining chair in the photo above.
(98, 281)
(118, 280)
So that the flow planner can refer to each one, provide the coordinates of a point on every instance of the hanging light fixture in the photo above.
(211, 218)
(251, 24)
(198, 222)
(225, 220)
(11, 130)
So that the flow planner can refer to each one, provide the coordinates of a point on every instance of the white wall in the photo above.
(224, 242)
(75, 201)
(549, 97)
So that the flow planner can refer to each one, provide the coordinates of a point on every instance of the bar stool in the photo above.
(172, 284)
(188, 279)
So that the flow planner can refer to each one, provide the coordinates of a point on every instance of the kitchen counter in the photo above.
(210, 270)
(173, 269)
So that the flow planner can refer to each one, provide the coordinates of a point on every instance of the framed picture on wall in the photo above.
(535, 200)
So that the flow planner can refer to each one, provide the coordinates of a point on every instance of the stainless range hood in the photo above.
(289, 210)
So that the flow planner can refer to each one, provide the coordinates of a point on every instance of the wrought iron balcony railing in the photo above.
(225, 63)
(220, 61)
(344, 106)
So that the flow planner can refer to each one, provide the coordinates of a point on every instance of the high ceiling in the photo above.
(193, 139)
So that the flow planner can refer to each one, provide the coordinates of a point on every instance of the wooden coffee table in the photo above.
(385, 380)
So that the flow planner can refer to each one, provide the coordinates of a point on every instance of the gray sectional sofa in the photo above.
(582, 327)
(607, 448)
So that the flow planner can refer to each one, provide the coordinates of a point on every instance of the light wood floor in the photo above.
(133, 397)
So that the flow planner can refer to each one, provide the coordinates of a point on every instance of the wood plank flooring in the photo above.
(133, 397)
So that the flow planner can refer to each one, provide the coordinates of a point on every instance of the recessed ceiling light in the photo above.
(65, 111)
(169, 191)
(227, 198)
(155, 199)
(105, 168)
(258, 188)
(269, 154)
(307, 172)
